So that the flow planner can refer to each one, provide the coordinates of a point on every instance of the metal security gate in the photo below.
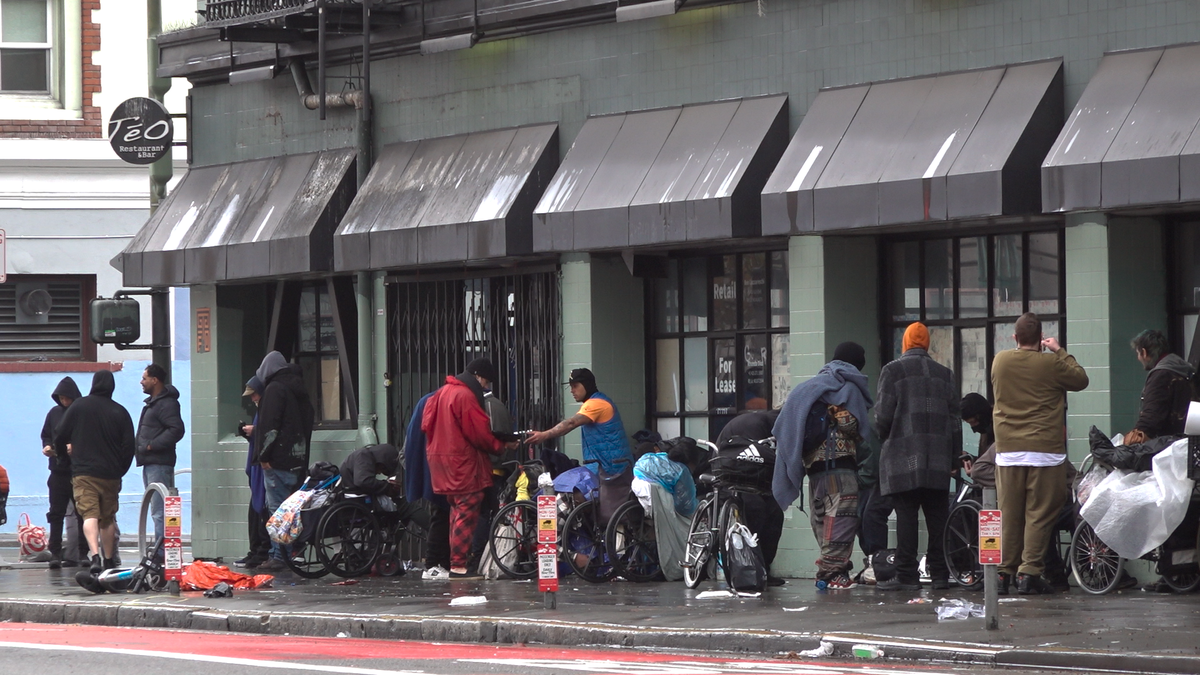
(437, 325)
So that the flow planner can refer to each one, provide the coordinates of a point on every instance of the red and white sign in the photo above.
(547, 516)
(172, 538)
(3, 258)
(990, 536)
(547, 568)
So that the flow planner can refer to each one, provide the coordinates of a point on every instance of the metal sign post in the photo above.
(547, 548)
(990, 557)
(173, 541)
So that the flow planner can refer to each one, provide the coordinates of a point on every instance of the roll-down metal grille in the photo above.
(436, 327)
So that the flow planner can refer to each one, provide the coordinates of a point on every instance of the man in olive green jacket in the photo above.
(1030, 385)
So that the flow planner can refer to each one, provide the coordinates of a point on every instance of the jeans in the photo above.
(157, 473)
(280, 485)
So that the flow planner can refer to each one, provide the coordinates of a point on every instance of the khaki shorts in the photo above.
(97, 498)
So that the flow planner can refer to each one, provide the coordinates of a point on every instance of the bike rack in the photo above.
(164, 492)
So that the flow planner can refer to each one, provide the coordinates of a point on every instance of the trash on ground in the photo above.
(468, 600)
(713, 594)
(794, 609)
(221, 590)
(202, 575)
(866, 651)
(347, 582)
(918, 601)
(826, 649)
(343, 634)
(747, 594)
(1014, 599)
(954, 608)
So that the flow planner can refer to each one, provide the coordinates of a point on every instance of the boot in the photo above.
(97, 565)
(1004, 582)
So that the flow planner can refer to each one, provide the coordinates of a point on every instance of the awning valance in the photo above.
(451, 199)
(1131, 140)
(663, 176)
(259, 218)
(929, 149)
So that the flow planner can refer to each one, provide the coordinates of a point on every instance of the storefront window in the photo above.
(318, 355)
(736, 362)
(1185, 288)
(970, 291)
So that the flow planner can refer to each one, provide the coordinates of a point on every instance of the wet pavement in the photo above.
(1126, 622)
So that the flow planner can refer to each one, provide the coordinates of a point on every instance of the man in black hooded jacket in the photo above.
(282, 437)
(97, 432)
(59, 483)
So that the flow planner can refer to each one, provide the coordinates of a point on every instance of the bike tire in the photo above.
(513, 539)
(631, 543)
(583, 544)
(960, 543)
(1097, 568)
(698, 552)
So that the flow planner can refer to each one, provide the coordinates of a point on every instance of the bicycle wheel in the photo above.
(1183, 582)
(631, 543)
(1097, 567)
(347, 540)
(698, 555)
(731, 512)
(304, 561)
(514, 539)
(583, 544)
(960, 540)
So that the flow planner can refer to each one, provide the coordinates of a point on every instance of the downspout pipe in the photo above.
(365, 285)
(355, 98)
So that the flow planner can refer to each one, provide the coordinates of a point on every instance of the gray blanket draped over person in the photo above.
(838, 383)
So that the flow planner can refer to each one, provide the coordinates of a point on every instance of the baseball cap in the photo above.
(582, 376)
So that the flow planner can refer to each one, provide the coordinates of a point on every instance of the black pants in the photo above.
(260, 541)
(874, 510)
(437, 551)
(764, 518)
(483, 531)
(61, 494)
(936, 506)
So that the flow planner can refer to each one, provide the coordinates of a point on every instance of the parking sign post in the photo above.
(547, 547)
(990, 556)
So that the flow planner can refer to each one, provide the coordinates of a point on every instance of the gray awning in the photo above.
(451, 199)
(260, 218)
(663, 176)
(929, 149)
(1131, 140)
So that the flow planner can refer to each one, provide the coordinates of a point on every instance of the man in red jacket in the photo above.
(459, 436)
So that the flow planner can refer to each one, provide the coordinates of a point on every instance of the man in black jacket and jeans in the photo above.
(159, 430)
(97, 432)
(61, 492)
(282, 437)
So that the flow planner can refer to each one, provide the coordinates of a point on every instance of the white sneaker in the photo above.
(436, 572)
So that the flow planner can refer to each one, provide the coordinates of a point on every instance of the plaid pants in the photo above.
(464, 516)
(833, 502)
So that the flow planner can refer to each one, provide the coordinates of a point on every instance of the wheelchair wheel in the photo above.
(698, 559)
(1184, 582)
(583, 544)
(305, 563)
(347, 540)
(631, 543)
(1097, 567)
(514, 539)
(960, 541)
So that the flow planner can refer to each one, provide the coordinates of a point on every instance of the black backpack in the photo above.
(816, 427)
(749, 464)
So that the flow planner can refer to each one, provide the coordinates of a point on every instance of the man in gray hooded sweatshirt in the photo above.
(282, 437)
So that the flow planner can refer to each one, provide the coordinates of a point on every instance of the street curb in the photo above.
(499, 630)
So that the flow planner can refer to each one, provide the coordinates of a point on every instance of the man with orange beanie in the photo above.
(917, 421)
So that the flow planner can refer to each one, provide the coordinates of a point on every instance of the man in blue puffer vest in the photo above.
(604, 438)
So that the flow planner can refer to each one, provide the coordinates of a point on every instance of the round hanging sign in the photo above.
(140, 131)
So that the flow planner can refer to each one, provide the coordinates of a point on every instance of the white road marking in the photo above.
(204, 658)
(691, 667)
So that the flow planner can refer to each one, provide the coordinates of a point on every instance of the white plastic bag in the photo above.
(955, 608)
(1135, 512)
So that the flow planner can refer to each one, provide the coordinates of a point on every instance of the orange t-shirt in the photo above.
(597, 410)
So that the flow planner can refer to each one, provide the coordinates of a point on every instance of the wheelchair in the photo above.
(1098, 569)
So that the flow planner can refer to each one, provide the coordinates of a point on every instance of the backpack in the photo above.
(816, 427)
(746, 570)
(749, 464)
(498, 414)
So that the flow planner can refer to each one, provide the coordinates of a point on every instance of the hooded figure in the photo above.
(285, 416)
(59, 483)
(66, 390)
(361, 469)
(100, 432)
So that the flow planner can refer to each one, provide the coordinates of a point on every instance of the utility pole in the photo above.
(160, 175)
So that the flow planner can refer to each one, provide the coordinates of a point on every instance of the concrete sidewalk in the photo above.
(1129, 630)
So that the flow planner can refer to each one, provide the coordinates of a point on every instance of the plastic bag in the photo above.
(1088, 482)
(1133, 513)
(747, 571)
(285, 525)
(675, 477)
(954, 608)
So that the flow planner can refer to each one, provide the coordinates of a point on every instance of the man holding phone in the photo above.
(1030, 385)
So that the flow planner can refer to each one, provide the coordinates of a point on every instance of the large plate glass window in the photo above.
(970, 290)
(720, 340)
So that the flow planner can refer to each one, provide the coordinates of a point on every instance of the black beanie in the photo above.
(852, 353)
(483, 368)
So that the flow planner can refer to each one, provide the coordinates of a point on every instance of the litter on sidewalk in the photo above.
(954, 608)
(708, 595)
(826, 649)
(468, 600)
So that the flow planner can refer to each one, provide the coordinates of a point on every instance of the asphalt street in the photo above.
(32, 649)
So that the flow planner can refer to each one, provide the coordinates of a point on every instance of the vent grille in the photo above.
(57, 339)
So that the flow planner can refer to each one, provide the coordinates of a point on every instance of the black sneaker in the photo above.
(894, 584)
(1033, 584)
(775, 581)
(97, 565)
(55, 563)
(1160, 586)
(1004, 581)
(941, 584)
(111, 563)
(70, 563)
